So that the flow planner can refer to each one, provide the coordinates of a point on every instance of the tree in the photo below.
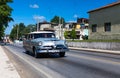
(5, 15)
(73, 34)
(30, 28)
(66, 34)
(13, 34)
(2, 29)
(17, 31)
(21, 28)
(57, 20)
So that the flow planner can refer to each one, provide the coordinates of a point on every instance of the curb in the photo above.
(7, 69)
(96, 50)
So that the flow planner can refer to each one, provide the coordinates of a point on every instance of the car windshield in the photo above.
(44, 35)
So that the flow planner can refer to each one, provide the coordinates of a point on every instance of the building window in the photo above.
(94, 28)
(107, 27)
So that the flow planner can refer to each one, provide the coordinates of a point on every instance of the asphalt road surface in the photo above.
(76, 64)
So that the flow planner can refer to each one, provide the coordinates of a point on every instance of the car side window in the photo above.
(32, 36)
(25, 37)
(29, 37)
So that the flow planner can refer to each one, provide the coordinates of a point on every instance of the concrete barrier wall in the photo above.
(96, 45)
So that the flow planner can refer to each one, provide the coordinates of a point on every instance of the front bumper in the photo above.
(52, 51)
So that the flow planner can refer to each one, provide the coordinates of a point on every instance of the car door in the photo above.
(25, 42)
(28, 42)
(31, 43)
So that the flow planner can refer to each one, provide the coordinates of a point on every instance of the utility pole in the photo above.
(59, 27)
(17, 31)
(37, 24)
(62, 32)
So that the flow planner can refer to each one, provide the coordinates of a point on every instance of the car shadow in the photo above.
(45, 55)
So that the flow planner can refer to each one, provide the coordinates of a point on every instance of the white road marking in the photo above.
(42, 69)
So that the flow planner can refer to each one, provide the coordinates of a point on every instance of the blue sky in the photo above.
(27, 11)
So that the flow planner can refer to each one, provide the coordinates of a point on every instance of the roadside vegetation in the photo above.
(19, 30)
(5, 16)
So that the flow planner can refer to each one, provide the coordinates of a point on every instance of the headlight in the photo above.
(65, 43)
(40, 43)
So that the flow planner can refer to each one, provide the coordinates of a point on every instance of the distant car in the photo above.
(2, 43)
(44, 42)
(16, 41)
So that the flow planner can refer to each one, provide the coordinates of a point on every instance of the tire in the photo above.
(27, 52)
(36, 55)
(62, 54)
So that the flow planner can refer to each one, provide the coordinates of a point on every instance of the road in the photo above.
(76, 64)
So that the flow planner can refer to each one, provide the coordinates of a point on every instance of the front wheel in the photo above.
(62, 54)
(35, 53)
(27, 52)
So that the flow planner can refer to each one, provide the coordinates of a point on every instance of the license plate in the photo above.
(53, 51)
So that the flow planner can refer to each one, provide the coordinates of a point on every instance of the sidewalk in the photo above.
(7, 70)
(96, 50)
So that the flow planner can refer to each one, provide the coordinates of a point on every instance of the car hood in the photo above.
(50, 41)
(46, 39)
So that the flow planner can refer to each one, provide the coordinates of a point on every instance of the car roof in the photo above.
(41, 32)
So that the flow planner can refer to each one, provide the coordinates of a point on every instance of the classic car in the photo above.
(44, 42)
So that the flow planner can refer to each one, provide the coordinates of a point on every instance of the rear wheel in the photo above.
(62, 54)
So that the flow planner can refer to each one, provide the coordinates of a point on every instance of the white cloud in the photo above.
(75, 16)
(34, 6)
(72, 21)
(40, 18)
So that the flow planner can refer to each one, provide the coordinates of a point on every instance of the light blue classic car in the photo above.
(44, 42)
